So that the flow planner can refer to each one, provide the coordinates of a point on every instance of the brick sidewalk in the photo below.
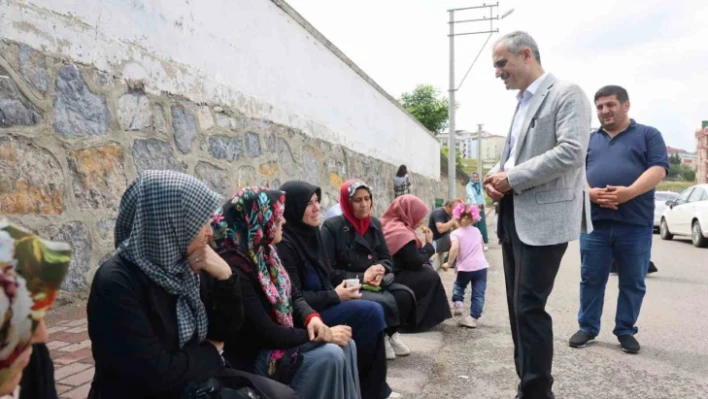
(70, 349)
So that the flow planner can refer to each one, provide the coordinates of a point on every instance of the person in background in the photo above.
(282, 337)
(441, 224)
(401, 182)
(411, 259)
(303, 256)
(625, 162)
(356, 248)
(475, 195)
(471, 265)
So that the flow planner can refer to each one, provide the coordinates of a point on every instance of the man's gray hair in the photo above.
(516, 41)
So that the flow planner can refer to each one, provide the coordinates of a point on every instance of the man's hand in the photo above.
(604, 198)
(496, 185)
(622, 194)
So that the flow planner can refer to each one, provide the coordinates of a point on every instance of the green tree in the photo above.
(458, 158)
(427, 105)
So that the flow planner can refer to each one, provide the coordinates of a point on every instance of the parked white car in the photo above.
(687, 215)
(660, 200)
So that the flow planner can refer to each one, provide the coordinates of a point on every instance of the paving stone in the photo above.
(69, 370)
(52, 345)
(80, 378)
(78, 393)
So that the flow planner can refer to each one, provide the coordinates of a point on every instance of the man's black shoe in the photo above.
(629, 344)
(580, 339)
(652, 268)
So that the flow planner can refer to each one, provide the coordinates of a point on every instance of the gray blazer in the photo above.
(548, 181)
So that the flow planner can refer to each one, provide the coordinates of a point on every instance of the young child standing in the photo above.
(468, 250)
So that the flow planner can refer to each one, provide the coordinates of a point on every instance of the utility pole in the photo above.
(451, 167)
(479, 151)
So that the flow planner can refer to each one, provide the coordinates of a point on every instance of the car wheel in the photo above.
(664, 231)
(697, 235)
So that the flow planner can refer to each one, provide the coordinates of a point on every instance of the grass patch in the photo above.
(675, 186)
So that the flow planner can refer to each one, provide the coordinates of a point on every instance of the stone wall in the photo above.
(72, 137)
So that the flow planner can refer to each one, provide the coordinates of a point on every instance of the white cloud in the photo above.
(656, 49)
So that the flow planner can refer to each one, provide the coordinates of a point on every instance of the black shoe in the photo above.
(652, 268)
(580, 339)
(629, 344)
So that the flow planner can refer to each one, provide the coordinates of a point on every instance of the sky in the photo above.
(656, 49)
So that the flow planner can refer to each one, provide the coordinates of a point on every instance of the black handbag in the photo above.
(214, 389)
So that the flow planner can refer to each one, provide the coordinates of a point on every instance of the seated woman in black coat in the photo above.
(282, 337)
(151, 334)
(356, 248)
(303, 256)
(411, 258)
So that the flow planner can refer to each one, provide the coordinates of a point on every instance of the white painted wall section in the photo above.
(252, 55)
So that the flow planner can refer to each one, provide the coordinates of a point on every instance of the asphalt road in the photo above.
(451, 362)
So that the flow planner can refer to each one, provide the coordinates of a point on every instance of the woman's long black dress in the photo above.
(413, 270)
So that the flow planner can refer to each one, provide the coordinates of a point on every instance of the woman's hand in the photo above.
(374, 274)
(218, 345)
(428, 236)
(15, 373)
(445, 266)
(348, 293)
(341, 335)
(207, 259)
(318, 331)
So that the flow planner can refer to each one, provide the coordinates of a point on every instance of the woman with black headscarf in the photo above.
(303, 256)
(282, 338)
(151, 334)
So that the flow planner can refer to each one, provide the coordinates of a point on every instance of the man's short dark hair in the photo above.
(611, 90)
(451, 203)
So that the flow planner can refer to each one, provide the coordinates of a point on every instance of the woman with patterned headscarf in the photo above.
(411, 257)
(151, 334)
(285, 338)
(356, 249)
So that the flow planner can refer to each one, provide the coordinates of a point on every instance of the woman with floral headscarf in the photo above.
(411, 258)
(356, 249)
(286, 340)
(152, 336)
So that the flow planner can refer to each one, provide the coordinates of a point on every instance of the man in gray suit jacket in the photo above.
(540, 184)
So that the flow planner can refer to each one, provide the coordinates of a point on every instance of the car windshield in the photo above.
(665, 196)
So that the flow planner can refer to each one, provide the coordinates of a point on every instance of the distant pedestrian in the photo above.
(401, 183)
(471, 265)
(625, 161)
(475, 195)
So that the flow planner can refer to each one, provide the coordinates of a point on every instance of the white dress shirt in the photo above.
(524, 99)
